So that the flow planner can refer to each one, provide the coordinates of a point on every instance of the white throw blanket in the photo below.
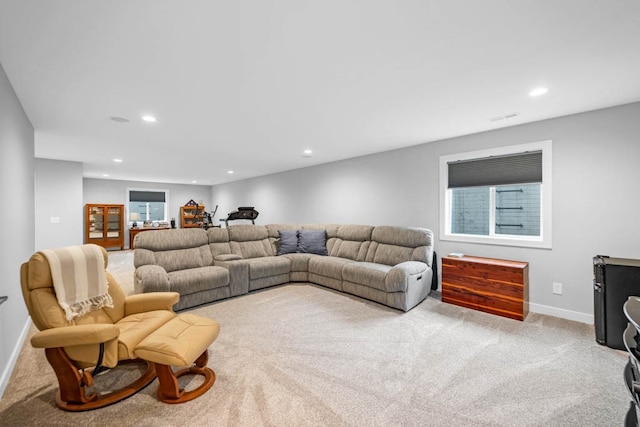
(79, 279)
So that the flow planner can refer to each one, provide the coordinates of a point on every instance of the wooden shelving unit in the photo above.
(192, 216)
(104, 225)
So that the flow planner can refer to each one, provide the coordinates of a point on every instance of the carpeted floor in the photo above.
(303, 355)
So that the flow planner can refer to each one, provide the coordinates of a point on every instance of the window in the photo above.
(499, 196)
(147, 205)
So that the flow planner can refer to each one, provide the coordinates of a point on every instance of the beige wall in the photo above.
(16, 221)
(58, 192)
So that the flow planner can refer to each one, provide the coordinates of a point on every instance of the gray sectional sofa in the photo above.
(391, 265)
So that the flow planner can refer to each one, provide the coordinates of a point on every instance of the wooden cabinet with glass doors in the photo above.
(104, 225)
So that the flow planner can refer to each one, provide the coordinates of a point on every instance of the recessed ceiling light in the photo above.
(149, 118)
(120, 119)
(538, 91)
(230, 172)
(307, 153)
(194, 181)
(105, 175)
(117, 160)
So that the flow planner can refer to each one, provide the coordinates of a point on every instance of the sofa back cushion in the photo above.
(183, 259)
(332, 235)
(392, 245)
(218, 241)
(249, 241)
(173, 249)
(350, 241)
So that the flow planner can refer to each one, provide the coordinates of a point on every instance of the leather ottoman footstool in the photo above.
(183, 341)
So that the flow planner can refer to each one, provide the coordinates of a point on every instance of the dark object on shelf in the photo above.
(3, 299)
(614, 281)
(242, 212)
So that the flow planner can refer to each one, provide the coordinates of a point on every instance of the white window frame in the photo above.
(157, 190)
(542, 241)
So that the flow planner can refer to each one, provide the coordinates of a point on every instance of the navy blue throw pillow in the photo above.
(288, 242)
(312, 242)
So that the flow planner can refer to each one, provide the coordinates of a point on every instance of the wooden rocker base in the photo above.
(72, 394)
(169, 390)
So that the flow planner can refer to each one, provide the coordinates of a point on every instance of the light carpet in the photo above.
(303, 355)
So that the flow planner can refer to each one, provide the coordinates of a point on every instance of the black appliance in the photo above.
(614, 281)
(243, 212)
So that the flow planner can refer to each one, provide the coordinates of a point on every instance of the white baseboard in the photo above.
(6, 375)
(562, 313)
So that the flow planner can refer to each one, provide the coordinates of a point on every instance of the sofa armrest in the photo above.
(151, 278)
(141, 303)
(227, 257)
(412, 268)
(238, 275)
(398, 278)
(68, 336)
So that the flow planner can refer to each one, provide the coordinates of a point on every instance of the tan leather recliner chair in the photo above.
(99, 339)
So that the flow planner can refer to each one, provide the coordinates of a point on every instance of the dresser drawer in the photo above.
(494, 286)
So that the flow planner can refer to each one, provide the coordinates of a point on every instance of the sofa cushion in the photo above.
(253, 249)
(143, 256)
(367, 274)
(299, 262)
(287, 242)
(358, 233)
(218, 241)
(392, 245)
(351, 241)
(402, 236)
(312, 242)
(250, 241)
(390, 254)
(247, 232)
(164, 240)
(182, 259)
(328, 266)
(227, 257)
(349, 249)
(198, 279)
(267, 266)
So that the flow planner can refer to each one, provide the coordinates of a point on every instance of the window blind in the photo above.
(146, 196)
(520, 168)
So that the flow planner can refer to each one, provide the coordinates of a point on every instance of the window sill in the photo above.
(536, 243)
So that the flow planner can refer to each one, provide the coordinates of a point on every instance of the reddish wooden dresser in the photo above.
(491, 285)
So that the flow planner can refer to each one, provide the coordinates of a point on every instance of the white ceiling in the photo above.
(249, 85)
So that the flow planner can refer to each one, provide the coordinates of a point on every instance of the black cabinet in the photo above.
(614, 281)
